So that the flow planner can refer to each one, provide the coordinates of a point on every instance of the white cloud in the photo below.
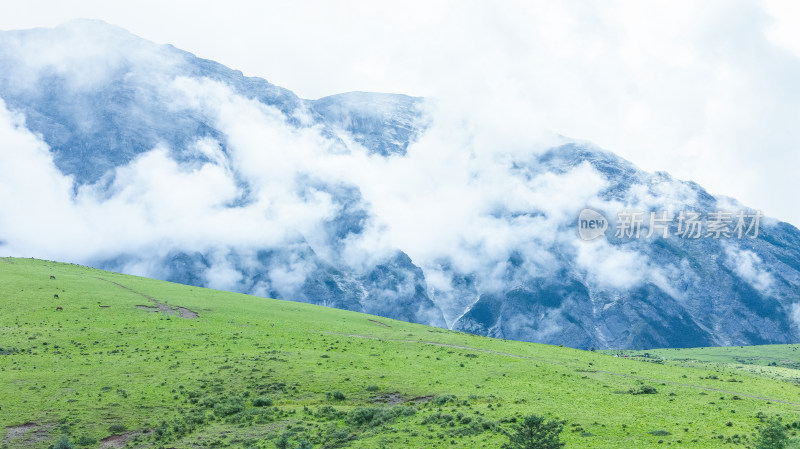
(795, 314)
(221, 274)
(27, 171)
(610, 267)
(748, 266)
(704, 90)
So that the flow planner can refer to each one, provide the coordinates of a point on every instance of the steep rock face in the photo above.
(285, 218)
(383, 123)
(695, 292)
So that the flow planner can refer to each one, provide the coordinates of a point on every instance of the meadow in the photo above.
(109, 360)
(775, 361)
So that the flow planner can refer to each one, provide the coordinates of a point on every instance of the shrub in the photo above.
(339, 437)
(262, 402)
(161, 431)
(444, 399)
(229, 406)
(475, 426)
(375, 416)
(373, 388)
(117, 428)
(643, 389)
(283, 441)
(660, 433)
(86, 441)
(438, 418)
(63, 443)
(772, 436)
(329, 412)
(336, 395)
(195, 415)
(365, 416)
(535, 433)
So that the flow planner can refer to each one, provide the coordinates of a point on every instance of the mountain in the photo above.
(126, 155)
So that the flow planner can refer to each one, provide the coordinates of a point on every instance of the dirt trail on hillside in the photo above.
(182, 312)
(610, 373)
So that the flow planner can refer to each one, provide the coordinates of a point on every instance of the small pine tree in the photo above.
(772, 436)
(535, 433)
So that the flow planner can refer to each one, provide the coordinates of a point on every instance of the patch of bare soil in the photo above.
(15, 432)
(148, 308)
(378, 322)
(116, 441)
(183, 312)
(28, 434)
(389, 399)
(421, 399)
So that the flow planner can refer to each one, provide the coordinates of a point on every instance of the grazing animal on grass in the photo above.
(59, 309)
(55, 296)
(52, 277)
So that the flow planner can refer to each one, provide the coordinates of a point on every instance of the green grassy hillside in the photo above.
(775, 361)
(144, 363)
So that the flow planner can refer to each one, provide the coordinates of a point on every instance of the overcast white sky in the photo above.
(706, 90)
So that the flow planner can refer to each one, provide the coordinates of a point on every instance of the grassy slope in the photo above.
(87, 368)
(775, 361)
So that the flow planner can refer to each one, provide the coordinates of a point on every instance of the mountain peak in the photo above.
(177, 167)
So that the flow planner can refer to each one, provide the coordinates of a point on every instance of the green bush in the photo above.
(536, 433)
(772, 436)
(86, 441)
(329, 412)
(475, 426)
(228, 406)
(117, 428)
(643, 389)
(443, 399)
(438, 418)
(195, 416)
(161, 431)
(336, 395)
(63, 443)
(375, 416)
(262, 402)
(283, 441)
